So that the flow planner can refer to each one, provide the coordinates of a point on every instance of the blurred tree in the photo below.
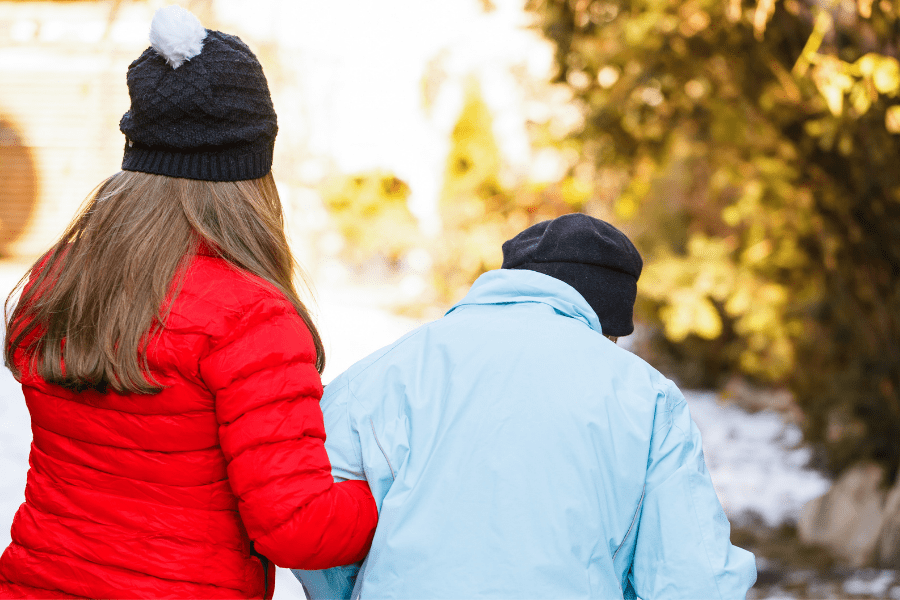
(478, 213)
(752, 149)
(370, 211)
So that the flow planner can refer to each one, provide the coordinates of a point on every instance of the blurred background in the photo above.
(750, 148)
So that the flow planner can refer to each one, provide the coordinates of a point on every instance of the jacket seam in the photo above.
(270, 531)
(290, 362)
(85, 519)
(685, 437)
(156, 483)
(125, 569)
(703, 537)
(383, 453)
(357, 448)
(384, 352)
(61, 396)
(135, 451)
(633, 521)
(28, 585)
(667, 407)
(286, 398)
(269, 441)
(238, 317)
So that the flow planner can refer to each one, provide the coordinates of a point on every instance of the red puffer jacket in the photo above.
(136, 496)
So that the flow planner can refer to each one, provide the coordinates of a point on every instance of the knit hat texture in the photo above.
(211, 118)
(592, 256)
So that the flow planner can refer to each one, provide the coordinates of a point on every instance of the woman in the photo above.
(170, 369)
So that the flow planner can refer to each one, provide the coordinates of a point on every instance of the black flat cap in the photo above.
(592, 256)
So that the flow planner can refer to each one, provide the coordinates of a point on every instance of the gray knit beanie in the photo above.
(200, 105)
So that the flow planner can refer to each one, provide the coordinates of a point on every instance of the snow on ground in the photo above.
(15, 424)
(753, 459)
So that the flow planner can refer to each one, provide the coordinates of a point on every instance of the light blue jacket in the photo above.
(514, 452)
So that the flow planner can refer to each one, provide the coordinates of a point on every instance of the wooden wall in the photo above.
(62, 93)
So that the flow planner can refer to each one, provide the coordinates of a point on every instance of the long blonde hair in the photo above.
(103, 291)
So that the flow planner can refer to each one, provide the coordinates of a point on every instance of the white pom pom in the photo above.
(176, 35)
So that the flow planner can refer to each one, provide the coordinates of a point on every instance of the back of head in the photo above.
(196, 170)
(592, 256)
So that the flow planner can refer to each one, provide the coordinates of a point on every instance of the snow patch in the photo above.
(756, 461)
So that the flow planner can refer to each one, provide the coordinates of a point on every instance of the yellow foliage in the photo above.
(758, 252)
(575, 191)
(822, 26)
(860, 98)
(686, 286)
(689, 312)
(892, 119)
(691, 288)
(887, 75)
(477, 212)
(764, 11)
(870, 75)
(626, 207)
(371, 213)
(865, 8)
(764, 198)
(627, 204)
(831, 76)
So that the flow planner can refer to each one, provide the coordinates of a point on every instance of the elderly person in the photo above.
(515, 451)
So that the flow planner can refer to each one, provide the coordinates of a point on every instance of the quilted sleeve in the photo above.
(271, 430)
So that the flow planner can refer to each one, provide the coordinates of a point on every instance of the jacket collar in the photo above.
(514, 286)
